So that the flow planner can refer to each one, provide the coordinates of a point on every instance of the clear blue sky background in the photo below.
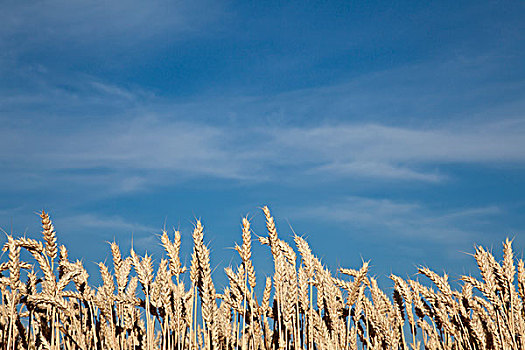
(389, 131)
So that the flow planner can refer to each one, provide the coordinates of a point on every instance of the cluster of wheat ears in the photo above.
(303, 305)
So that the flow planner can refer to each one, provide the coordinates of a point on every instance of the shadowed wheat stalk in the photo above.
(47, 303)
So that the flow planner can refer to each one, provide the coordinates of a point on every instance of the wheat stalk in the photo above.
(40, 311)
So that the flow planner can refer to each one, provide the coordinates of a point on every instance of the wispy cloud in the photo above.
(113, 90)
(100, 23)
(95, 221)
(152, 149)
(487, 142)
(405, 220)
(377, 170)
(393, 152)
(87, 131)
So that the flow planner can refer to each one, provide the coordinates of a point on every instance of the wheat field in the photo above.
(47, 303)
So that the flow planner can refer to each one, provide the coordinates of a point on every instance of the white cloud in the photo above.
(379, 151)
(86, 130)
(90, 222)
(113, 90)
(402, 219)
(377, 170)
(133, 154)
(100, 23)
(483, 143)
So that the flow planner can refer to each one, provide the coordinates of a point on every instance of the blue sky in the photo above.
(393, 132)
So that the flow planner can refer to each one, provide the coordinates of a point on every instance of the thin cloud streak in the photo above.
(144, 146)
(127, 139)
(88, 222)
(383, 217)
(485, 143)
(376, 170)
(32, 24)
